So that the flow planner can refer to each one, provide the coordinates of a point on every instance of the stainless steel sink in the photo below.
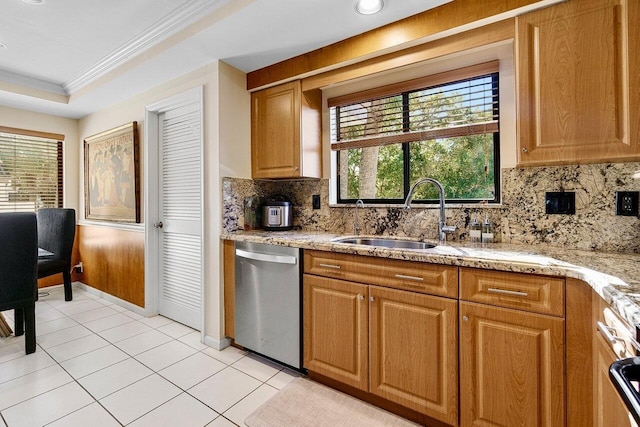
(385, 243)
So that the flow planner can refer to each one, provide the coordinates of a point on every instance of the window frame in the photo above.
(59, 138)
(476, 71)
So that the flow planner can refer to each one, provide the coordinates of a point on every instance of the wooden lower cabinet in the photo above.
(511, 368)
(609, 409)
(336, 330)
(413, 351)
(395, 344)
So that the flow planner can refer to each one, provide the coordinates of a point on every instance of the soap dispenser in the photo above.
(487, 231)
(475, 230)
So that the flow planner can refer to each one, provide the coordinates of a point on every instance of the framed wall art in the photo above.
(112, 175)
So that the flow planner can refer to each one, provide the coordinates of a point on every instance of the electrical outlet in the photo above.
(315, 201)
(627, 203)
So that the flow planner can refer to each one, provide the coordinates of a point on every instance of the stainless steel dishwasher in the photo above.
(268, 300)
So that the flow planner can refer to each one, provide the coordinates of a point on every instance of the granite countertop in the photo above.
(614, 276)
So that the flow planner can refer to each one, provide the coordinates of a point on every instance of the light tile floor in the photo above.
(99, 364)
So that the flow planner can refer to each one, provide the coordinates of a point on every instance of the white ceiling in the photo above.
(74, 57)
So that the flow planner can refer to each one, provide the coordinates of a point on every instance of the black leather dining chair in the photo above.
(56, 231)
(19, 272)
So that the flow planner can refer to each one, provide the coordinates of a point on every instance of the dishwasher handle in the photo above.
(257, 256)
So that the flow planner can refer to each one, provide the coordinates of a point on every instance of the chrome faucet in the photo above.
(356, 223)
(443, 228)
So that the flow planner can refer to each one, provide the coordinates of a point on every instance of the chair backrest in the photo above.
(18, 258)
(56, 231)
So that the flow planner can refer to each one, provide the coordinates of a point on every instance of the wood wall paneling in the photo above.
(412, 29)
(113, 261)
(56, 279)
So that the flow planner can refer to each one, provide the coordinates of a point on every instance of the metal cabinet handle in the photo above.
(372, 299)
(465, 318)
(415, 278)
(158, 224)
(507, 292)
(524, 149)
(361, 297)
(334, 266)
(608, 335)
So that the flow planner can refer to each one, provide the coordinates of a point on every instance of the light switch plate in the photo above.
(560, 202)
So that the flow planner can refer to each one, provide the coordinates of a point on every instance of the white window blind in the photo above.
(30, 170)
(446, 105)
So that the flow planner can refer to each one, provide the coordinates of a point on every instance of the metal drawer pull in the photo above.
(607, 332)
(506, 292)
(334, 266)
(361, 297)
(417, 279)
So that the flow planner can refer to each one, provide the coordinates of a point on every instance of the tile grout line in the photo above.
(177, 339)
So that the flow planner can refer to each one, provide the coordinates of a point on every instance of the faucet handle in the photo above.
(449, 229)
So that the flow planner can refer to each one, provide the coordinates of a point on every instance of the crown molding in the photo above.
(20, 80)
(161, 30)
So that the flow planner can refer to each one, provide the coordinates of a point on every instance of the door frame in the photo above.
(152, 193)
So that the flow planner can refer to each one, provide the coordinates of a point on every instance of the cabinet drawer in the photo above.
(539, 294)
(412, 276)
(620, 337)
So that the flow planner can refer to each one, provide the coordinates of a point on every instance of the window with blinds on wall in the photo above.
(30, 170)
(444, 126)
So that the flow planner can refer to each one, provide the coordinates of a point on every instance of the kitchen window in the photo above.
(444, 126)
(30, 170)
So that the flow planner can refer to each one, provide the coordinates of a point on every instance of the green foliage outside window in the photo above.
(465, 165)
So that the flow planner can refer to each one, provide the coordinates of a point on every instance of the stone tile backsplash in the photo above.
(521, 217)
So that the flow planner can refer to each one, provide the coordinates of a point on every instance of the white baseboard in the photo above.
(122, 303)
(217, 344)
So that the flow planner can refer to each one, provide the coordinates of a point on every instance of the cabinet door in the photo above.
(336, 330)
(413, 351)
(511, 368)
(577, 82)
(609, 409)
(275, 132)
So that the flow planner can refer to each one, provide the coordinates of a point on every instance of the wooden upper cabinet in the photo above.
(578, 83)
(286, 132)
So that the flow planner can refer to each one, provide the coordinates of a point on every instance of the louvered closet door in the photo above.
(180, 168)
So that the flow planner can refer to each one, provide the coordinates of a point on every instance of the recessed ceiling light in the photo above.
(369, 7)
(33, 1)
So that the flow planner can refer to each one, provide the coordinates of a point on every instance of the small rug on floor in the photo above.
(306, 403)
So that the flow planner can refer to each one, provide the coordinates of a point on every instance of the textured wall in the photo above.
(521, 217)
(594, 226)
